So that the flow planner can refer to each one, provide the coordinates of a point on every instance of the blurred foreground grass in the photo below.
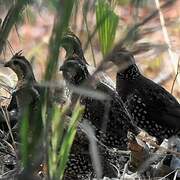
(41, 39)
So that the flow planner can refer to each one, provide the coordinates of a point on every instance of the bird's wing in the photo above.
(157, 99)
(118, 109)
(169, 105)
(13, 103)
(172, 117)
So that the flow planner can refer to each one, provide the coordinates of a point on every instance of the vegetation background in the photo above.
(34, 31)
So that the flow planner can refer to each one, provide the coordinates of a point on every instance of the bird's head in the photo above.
(71, 43)
(122, 58)
(21, 66)
(74, 71)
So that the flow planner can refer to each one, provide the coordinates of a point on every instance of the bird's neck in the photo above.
(81, 80)
(79, 53)
(25, 81)
(130, 73)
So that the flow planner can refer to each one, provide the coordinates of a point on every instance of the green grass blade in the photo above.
(24, 134)
(108, 26)
(11, 18)
(68, 139)
(64, 10)
(57, 130)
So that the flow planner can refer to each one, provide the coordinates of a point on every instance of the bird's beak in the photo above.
(7, 64)
(64, 42)
(62, 68)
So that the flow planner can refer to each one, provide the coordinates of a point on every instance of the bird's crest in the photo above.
(71, 36)
(72, 43)
(18, 54)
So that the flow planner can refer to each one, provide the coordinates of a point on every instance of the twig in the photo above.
(177, 73)
(167, 175)
(10, 48)
(12, 174)
(117, 169)
(125, 170)
(9, 148)
(140, 152)
(153, 144)
(93, 148)
(127, 37)
(153, 158)
(6, 116)
(121, 152)
(94, 31)
(85, 20)
(175, 176)
(166, 37)
(10, 19)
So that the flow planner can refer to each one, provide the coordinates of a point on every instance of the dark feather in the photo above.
(154, 109)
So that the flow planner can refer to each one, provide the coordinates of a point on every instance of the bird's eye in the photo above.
(15, 62)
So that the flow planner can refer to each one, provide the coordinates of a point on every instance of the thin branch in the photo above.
(94, 31)
(153, 158)
(10, 48)
(175, 78)
(128, 36)
(125, 170)
(85, 20)
(6, 117)
(166, 37)
(10, 19)
(93, 148)
(155, 145)
(168, 175)
(176, 174)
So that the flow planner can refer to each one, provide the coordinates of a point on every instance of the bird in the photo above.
(152, 107)
(25, 93)
(73, 46)
(107, 116)
(28, 102)
(75, 73)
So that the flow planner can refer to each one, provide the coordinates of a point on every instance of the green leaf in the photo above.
(123, 2)
(64, 10)
(68, 140)
(61, 140)
(24, 134)
(108, 21)
(57, 130)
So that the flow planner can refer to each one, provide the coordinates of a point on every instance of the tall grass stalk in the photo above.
(64, 10)
(107, 29)
(24, 146)
(61, 140)
(10, 20)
